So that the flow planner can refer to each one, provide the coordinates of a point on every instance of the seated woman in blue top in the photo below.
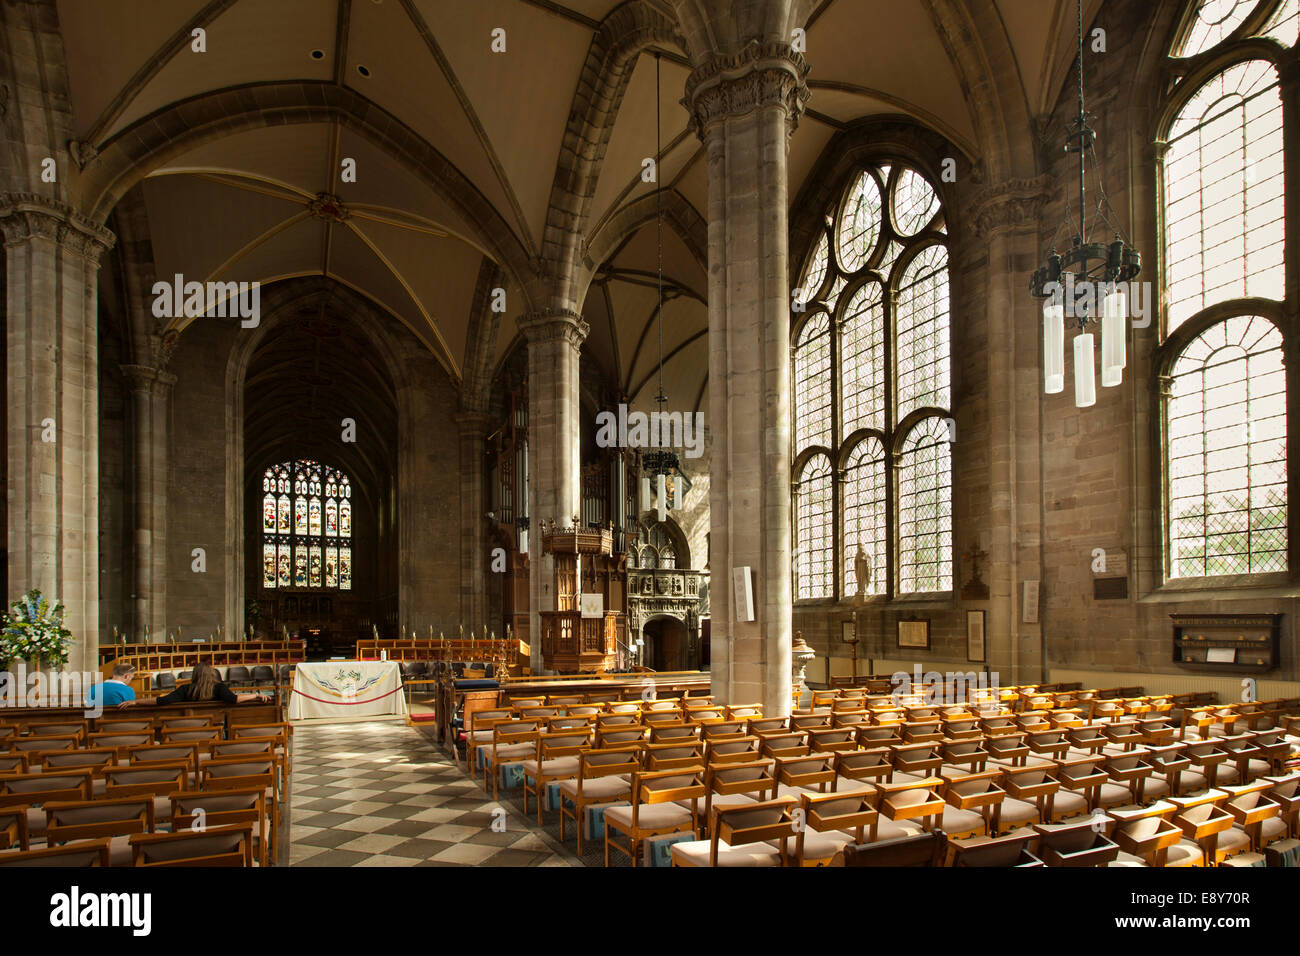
(206, 684)
(116, 691)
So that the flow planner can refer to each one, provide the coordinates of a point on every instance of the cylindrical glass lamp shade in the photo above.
(645, 492)
(1053, 345)
(1085, 382)
(1113, 315)
(662, 494)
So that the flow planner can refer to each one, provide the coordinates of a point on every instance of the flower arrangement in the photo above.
(33, 631)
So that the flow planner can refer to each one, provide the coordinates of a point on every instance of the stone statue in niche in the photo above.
(862, 568)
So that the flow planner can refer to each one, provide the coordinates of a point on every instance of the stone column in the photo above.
(555, 337)
(150, 416)
(1006, 218)
(52, 408)
(473, 541)
(745, 107)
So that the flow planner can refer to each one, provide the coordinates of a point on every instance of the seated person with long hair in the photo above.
(206, 684)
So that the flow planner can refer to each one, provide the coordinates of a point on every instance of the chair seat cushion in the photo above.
(511, 752)
(958, 823)
(652, 816)
(823, 846)
(1190, 781)
(849, 785)
(1232, 840)
(554, 767)
(1274, 828)
(1184, 853)
(1114, 795)
(696, 853)
(721, 800)
(894, 829)
(1068, 803)
(597, 788)
(1018, 812)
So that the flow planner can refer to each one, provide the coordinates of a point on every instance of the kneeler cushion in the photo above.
(657, 851)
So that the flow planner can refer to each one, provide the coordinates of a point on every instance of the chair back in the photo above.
(218, 846)
(924, 849)
(92, 819)
(81, 854)
(154, 779)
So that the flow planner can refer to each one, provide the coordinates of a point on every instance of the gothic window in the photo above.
(659, 550)
(1224, 218)
(306, 526)
(1225, 231)
(872, 393)
(1226, 419)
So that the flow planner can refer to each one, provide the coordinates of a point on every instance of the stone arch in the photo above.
(628, 30)
(279, 300)
(131, 154)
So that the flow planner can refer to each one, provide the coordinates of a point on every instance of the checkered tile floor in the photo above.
(380, 793)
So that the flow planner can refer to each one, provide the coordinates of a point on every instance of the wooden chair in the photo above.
(974, 804)
(784, 745)
(120, 725)
(803, 772)
(13, 828)
(58, 728)
(913, 801)
(202, 737)
(859, 769)
(13, 763)
(1147, 834)
(122, 742)
(478, 737)
(81, 854)
(736, 784)
(1168, 763)
(513, 742)
(831, 821)
(217, 846)
(188, 722)
(1031, 793)
(1256, 813)
(723, 730)
(244, 773)
(1074, 845)
(154, 780)
(1205, 823)
(741, 835)
(112, 818)
(557, 759)
(656, 809)
(1129, 773)
(833, 739)
(1080, 779)
(620, 734)
(1010, 849)
(35, 789)
(672, 754)
(94, 759)
(923, 849)
(731, 750)
(48, 744)
(199, 810)
(758, 726)
(744, 711)
(1284, 789)
(673, 731)
(604, 776)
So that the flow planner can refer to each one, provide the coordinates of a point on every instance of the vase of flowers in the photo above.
(33, 631)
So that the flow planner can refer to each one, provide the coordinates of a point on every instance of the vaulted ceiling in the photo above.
(247, 204)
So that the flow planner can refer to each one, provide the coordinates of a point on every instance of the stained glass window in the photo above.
(306, 526)
(814, 541)
(1226, 420)
(1225, 227)
(863, 362)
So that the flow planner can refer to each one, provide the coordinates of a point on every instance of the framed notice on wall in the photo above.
(914, 634)
(975, 636)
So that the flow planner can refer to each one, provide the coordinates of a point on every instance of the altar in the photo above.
(334, 689)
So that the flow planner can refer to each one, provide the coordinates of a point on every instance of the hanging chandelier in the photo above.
(660, 464)
(1087, 281)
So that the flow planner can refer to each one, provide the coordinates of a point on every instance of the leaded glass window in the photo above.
(1225, 227)
(1225, 385)
(306, 526)
(814, 543)
(872, 359)
(1226, 419)
(1212, 23)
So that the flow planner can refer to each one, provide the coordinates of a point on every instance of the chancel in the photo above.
(640, 433)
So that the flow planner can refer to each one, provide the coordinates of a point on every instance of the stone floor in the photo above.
(380, 793)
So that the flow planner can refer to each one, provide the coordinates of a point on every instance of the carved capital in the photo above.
(83, 154)
(759, 76)
(1015, 202)
(26, 216)
(147, 379)
(554, 325)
